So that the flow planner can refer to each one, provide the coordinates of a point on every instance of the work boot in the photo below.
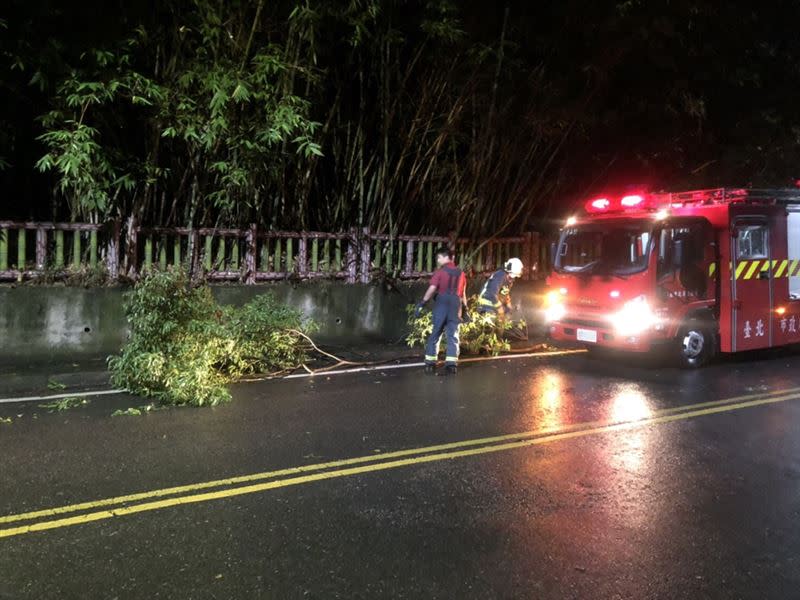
(450, 370)
(430, 369)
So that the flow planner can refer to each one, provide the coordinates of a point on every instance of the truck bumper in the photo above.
(599, 337)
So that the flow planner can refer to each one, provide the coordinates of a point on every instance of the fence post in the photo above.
(351, 257)
(527, 255)
(452, 239)
(131, 246)
(536, 265)
(193, 254)
(409, 268)
(250, 254)
(490, 256)
(302, 256)
(366, 259)
(41, 248)
(112, 252)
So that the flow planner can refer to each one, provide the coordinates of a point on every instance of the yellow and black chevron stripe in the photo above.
(747, 269)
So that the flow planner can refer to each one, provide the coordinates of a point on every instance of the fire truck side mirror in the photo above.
(678, 253)
(553, 254)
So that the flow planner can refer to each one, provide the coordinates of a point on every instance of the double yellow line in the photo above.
(107, 508)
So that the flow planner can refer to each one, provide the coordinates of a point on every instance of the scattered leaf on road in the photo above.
(52, 384)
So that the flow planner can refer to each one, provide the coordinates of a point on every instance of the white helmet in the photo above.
(514, 267)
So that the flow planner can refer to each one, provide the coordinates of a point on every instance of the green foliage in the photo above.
(481, 336)
(65, 403)
(52, 384)
(265, 336)
(85, 173)
(90, 173)
(399, 115)
(220, 107)
(184, 347)
(131, 411)
(137, 411)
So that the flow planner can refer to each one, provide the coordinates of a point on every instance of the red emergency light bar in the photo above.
(598, 205)
(631, 201)
(657, 201)
(602, 205)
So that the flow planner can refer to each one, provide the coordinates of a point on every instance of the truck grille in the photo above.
(596, 324)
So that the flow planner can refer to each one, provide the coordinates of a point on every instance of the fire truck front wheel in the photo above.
(697, 343)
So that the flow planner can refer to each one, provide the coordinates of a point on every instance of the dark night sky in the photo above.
(668, 93)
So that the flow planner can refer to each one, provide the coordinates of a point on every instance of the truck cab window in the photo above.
(605, 249)
(751, 242)
(692, 237)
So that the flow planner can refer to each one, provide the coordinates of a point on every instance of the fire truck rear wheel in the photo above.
(697, 343)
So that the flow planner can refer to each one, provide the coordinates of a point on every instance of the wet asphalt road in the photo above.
(706, 506)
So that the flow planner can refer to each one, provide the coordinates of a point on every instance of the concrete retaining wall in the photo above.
(62, 323)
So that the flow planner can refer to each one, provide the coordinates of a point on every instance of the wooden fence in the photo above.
(251, 255)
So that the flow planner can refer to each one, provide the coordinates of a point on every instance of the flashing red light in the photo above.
(598, 205)
(631, 201)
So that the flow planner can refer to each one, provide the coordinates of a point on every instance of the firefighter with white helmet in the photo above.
(495, 297)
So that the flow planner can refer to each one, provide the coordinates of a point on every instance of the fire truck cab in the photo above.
(702, 271)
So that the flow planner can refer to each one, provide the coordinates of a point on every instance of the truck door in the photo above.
(751, 280)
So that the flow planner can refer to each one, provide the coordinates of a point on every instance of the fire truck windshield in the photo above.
(605, 248)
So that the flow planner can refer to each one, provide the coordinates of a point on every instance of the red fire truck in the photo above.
(702, 271)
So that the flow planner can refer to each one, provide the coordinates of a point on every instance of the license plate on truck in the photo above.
(587, 335)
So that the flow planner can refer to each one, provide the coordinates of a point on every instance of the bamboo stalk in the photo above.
(207, 258)
(219, 262)
(277, 258)
(176, 251)
(265, 255)
(21, 250)
(148, 252)
(162, 253)
(430, 257)
(314, 254)
(3, 249)
(93, 249)
(59, 260)
(76, 249)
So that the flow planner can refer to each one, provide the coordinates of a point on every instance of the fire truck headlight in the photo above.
(635, 317)
(555, 312)
(554, 309)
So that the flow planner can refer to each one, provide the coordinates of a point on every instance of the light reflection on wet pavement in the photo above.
(700, 507)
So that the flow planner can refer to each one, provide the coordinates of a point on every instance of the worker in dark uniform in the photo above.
(449, 285)
(495, 297)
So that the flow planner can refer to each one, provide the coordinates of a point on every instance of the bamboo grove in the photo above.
(399, 115)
